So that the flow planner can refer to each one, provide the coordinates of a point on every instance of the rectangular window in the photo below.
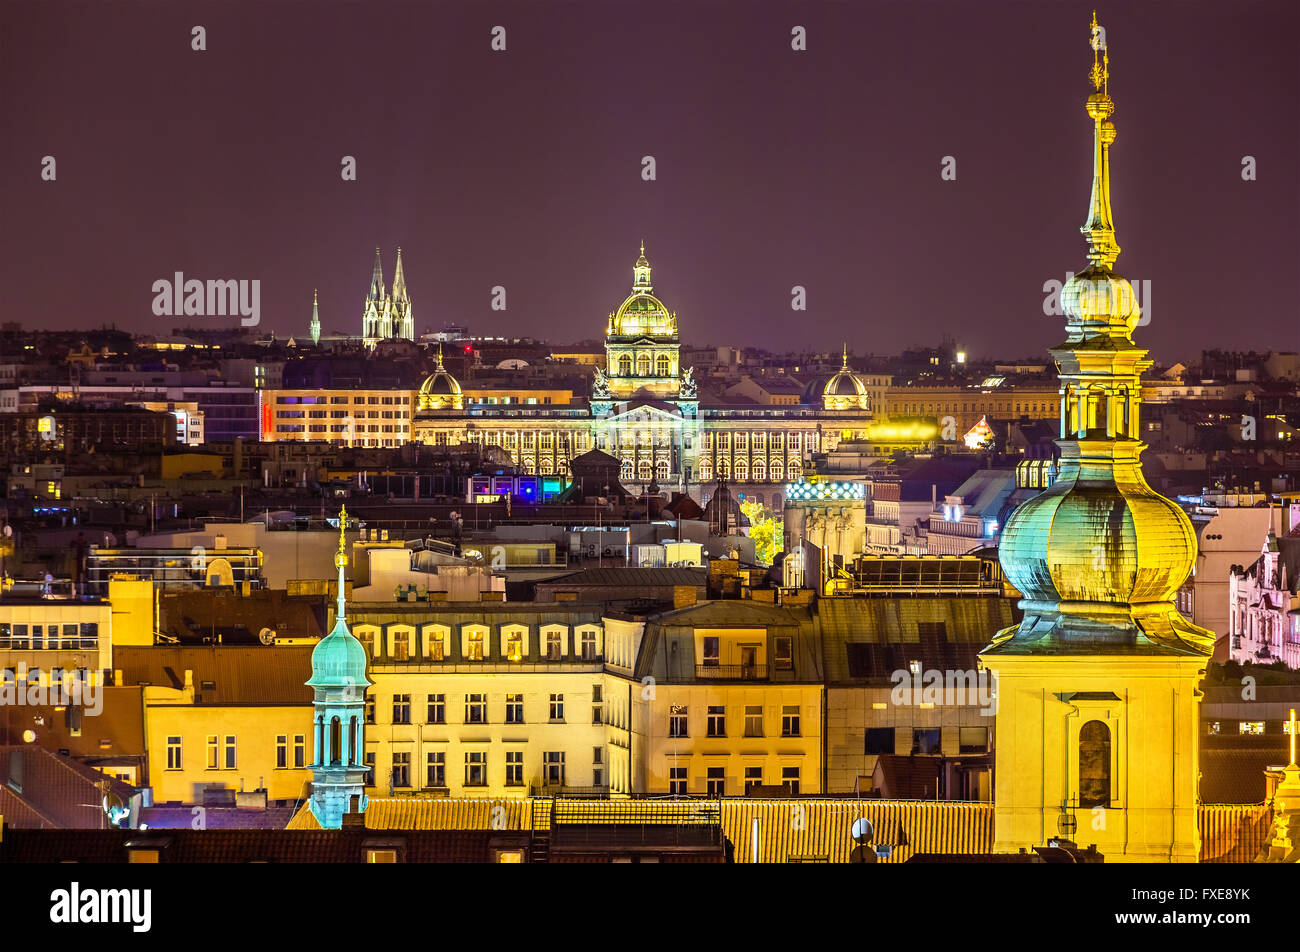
(401, 708)
(753, 778)
(790, 780)
(370, 768)
(475, 708)
(716, 782)
(474, 646)
(476, 768)
(710, 652)
(677, 781)
(230, 751)
(174, 752)
(401, 770)
(553, 765)
(925, 740)
(717, 722)
(557, 707)
(514, 708)
(588, 646)
(299, 750)
(554, 645)
(790, 720)
(514, 646)
(753, 720)
(972, 740)
(214, 752)
(677, 726)
(282, 750)
(436, 769)
(783, 654)
(437, 709)
(514, 768)
(880, 740)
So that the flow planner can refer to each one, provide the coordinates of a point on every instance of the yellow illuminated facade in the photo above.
(645, 408)
(1098, 685)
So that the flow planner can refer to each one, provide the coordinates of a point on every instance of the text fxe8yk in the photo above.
(102, 906)
(951, 688)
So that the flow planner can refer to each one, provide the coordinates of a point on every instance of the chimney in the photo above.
(117, 677)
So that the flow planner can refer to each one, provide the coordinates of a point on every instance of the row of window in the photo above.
(715, 780)
(385, 401)
(48, 637)
(743, 470)
(662, 365)
(726, 439)
(435, 644)
(476, 708)
(476, 768)
(222, 751)
(927, 740)
(716, 721)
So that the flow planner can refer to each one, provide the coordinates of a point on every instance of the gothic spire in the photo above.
(1100, 226)
(399, 279)
(376, 280)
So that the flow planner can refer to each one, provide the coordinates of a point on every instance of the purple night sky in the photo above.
(775, 168)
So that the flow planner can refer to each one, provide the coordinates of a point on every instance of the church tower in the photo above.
(338, 677)
(376, 323)
(401, 323)
(1097, 720)
(315, 317)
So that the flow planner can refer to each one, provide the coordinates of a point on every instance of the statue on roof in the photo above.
(688, 389)
(600, 388)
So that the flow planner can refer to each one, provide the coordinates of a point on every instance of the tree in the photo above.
(766, 529)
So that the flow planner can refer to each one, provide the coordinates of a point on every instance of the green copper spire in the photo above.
(338, 676)
(1100, 556)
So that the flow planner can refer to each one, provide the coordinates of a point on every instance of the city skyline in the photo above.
(798, 171)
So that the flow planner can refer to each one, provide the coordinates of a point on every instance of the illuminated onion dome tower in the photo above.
(845, 391)
(440, 390)
(1100, 555)
(338, 676)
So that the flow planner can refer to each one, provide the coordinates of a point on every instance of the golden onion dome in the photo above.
(643, 314)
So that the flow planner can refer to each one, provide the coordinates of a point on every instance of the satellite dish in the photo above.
(8, 531)
(29, 735)
(863, 831)
(266, 636)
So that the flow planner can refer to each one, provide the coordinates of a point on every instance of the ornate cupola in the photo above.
(440, 390)
(641, 344)
(845, 390)
(1097, 689)
(338, 677)
(1100, 556)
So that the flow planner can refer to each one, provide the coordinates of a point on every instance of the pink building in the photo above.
(1264, 613)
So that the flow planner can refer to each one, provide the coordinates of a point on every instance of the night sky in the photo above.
(774, 168)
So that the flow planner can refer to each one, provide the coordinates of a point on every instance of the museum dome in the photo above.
(845, 389)
(440, 389)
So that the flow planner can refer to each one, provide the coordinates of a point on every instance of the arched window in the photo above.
(625, 469)
(742, 471)
(352, 741)
(661, 365)
(760, 471)
(776, 471)
(706, 471)
(794, 470)
(625, 366)
(643, 469)
(661, 470)
(643, 365)
(1094, 765)
(336, 740)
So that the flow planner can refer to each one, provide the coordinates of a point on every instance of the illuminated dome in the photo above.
(845, 390)
(1097, 299)
(440, 390)
(642, 314)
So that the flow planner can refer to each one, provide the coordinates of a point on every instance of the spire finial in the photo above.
(1292, 737)
(440, 355)
(341, 557)
(1099, 229)
(642, 247)
(844, 364)
(315, 296)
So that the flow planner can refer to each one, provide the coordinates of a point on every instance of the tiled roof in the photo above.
(56, 791)
(1235, 774)
(635, 577)
(263, 675)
